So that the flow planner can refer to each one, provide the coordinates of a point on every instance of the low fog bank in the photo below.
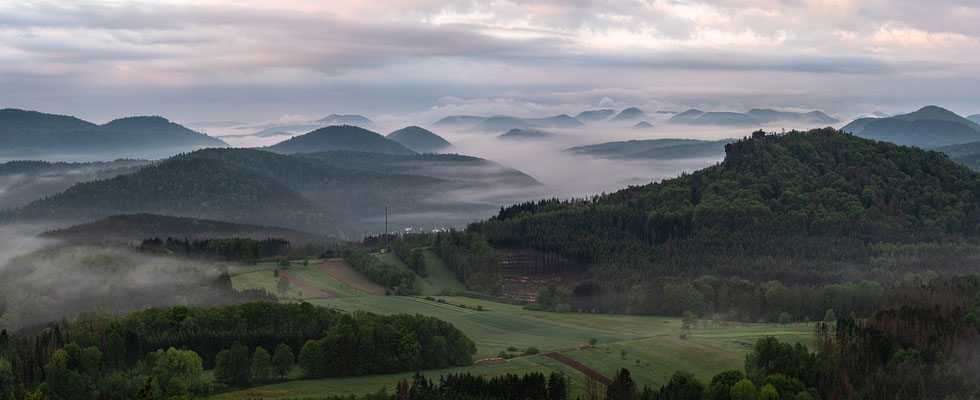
(42, 280)
(564, 174)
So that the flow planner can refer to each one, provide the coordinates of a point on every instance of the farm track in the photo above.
(305, 286)
(589, 372)
(350, 277)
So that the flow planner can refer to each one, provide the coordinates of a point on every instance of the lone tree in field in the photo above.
(785, 318)
(282, 286)
(282, 360)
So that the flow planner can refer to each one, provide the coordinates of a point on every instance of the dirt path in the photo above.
(304, 286)
(350, 277)
(578, 367)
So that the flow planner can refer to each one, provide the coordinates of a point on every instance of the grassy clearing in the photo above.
(652, 361)
(265, 279)
(653, 349)
(439, 275)
(739, 340)
(262, 276)
(492, 331)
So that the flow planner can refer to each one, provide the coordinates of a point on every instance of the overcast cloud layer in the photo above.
(260, 60)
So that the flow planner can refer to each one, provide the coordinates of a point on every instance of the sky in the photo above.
(249, 61)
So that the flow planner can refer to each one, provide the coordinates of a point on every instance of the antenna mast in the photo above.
(386, 228)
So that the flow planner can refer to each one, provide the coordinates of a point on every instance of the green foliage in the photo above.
(830, 316)
(62, 381)
(800, 207)
(177, 372)
(282, 360)
(551, 298)
(785, 318)
(767, 392)
(261, 365)
(362, 344)
(744, 390)
(622, 387)
(404, 282)
(721, 384)
(682, 386)
(238, 249)
(231, 366)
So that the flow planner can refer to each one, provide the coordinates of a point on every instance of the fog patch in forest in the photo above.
(44, 280)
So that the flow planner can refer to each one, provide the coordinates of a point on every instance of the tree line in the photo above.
(101, 356)
(231, 249)
(402, 282)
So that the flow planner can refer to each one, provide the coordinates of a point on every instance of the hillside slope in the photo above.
(792, 207)
(339, 137)
(928, 127)
(190, 187)
(419, 139)
(27, 133)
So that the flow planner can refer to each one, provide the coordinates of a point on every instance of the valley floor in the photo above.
(650, 347)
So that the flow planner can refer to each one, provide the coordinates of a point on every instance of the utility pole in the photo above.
(386, 228)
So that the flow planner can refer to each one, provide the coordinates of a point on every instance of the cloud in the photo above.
(219, 59)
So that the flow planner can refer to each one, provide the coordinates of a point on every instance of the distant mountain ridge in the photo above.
(629, 114)
(927, 127)
(654, 149)
(188, 187)
(419, 139)
(595, 115)
(344, 119)
(527, 133)
(31, 132)
(753, 118)
(339, 137)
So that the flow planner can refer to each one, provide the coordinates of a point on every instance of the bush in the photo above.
(511, 348)
(531, 350)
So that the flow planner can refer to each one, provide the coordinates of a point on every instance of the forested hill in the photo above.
(30, 132)
(202, 188)
(340, 137)
(815, 198)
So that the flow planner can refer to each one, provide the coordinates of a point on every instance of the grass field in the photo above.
(438, 276)
(652, 345)
(262, 276)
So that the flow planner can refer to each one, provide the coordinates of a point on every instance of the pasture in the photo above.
(650, 347)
